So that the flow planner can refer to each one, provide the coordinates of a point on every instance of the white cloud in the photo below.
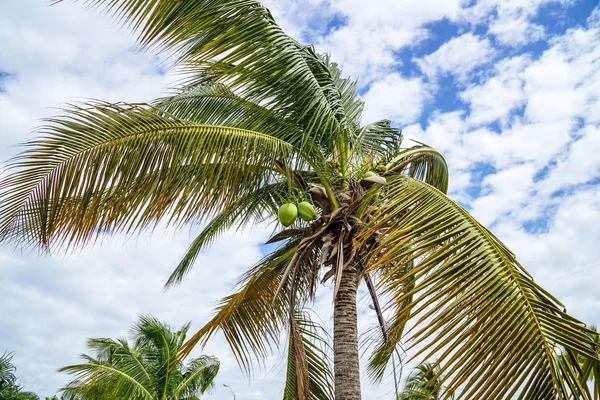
(509, 190)
(510, 21)
(444, 132)
(458, 56)
(563, 83)
(52, 63)
(577, 165)
(513, 27)
(497, 97)
(370, 35)
(396, 98)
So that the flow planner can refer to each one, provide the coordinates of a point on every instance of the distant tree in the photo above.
(424, 383)
(9, 388)
(145, 369)
(7, 371)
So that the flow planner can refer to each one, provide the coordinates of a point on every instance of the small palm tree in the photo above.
(424, 383)
(146, 369)
(7, 371)
(263, 125)
(9, 388)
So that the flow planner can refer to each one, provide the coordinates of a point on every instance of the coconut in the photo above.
(370, 174)
(287, 214)
(307, 211)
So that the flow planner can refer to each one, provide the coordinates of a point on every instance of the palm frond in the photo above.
(198, 377)
(308, 373)
(424, 163)
(472, 303)
(120, 356)
(246, 50)
(251, 319)
(350, 101)
(115, 167)
(147, 369)
(379, 139)
(212, 103)
(590, 368)
(248, 209)
(113, 382)
(388, 342)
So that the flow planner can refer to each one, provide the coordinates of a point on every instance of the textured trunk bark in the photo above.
(345, 339)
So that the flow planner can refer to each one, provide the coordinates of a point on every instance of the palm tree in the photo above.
(7, 371)
(146, 369)
(9, 388)
(261, 120)
(424, 383)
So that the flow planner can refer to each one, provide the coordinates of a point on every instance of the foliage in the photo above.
(9, 388)
(7, 371)
(144, 369)
(424, 383)
(260, 120)
(589, 369)
(16, 393)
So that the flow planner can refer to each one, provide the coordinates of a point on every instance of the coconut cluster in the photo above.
(289, 212)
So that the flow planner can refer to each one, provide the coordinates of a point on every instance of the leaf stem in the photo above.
(332, 200)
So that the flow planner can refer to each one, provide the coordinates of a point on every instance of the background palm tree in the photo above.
(145, 369)
(7, 371)
(261, 120)
(9, 388)
(424, 383)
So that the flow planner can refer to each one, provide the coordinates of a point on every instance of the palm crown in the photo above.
(147, 369)
(261, 120)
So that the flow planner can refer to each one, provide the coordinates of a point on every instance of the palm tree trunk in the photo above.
(345, 339)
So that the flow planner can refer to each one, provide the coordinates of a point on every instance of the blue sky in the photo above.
(507, 90)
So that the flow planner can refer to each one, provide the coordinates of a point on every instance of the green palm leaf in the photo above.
(472, 301)
(262, 119)
(423, 163)
(380, 139)
(249, 209)
(308, 374)
(115, 167)
(198, 377)
(213, 103)
(424, 383)
(115, 382)
(254, 57)
(251, 319)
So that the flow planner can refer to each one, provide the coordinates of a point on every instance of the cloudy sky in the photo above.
(507, 90)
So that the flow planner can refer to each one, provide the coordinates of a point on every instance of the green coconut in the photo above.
(287, 214)
(370, 174)
(307, 211)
